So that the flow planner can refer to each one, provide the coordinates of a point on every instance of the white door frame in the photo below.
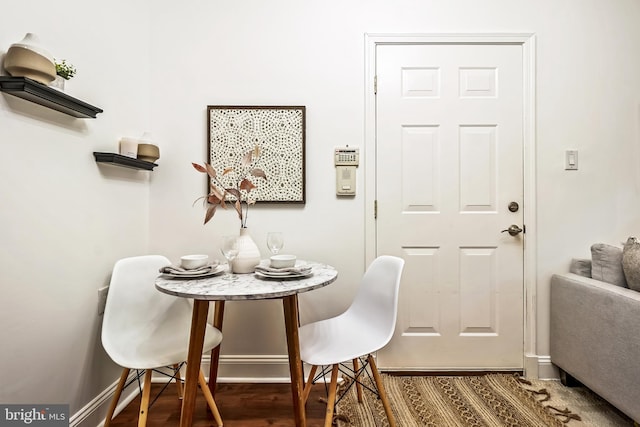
(528, 43)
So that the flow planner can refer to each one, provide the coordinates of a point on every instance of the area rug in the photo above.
(450, 401)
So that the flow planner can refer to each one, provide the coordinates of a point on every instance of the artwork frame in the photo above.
(279, 131)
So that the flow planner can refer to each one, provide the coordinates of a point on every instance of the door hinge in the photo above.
(375, 85)
(375, 209)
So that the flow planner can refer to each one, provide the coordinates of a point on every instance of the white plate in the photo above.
(219, 269)
(282, 273)
(267, 275)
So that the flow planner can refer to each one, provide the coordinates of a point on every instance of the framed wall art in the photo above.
(279, 132)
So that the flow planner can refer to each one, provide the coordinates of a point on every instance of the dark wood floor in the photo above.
(240, 405)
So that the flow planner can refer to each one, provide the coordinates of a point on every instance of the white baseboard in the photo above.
(547, 370)
(540, 367)
(94, 412)
(251, 369)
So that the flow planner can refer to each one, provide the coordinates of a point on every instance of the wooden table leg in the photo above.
(196, 341)
(218, 315)
(290, 304)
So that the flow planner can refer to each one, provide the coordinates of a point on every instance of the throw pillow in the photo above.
(606, 264)
(581, 267)
(631, 263)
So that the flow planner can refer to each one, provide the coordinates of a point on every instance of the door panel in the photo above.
(449, 141)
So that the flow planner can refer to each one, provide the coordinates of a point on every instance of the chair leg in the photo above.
(358, 385)
(383, 394)
(309, 384)
(144, 403)
(116, 396)
(209, 398)
(176, 367)
(331, 401)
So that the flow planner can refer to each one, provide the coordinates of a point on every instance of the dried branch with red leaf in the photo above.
(243, 178)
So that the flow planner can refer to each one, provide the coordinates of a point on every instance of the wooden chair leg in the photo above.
(309, 384)
(209, 398)
(381, 391)
(144, 403)
(116, 396)
(356, 367)
(331, 401)
(178, 379)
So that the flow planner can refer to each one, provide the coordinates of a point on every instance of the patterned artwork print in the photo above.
(278, 131)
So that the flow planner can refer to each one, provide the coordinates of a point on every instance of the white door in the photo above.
(449, 129)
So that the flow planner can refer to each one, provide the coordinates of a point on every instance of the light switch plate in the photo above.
(571, 160)
(102, 299)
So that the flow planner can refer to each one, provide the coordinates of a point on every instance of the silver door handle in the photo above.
(514, 230)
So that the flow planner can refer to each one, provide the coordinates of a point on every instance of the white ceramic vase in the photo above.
(248, 254)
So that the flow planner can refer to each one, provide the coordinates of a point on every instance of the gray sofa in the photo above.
(595, 338)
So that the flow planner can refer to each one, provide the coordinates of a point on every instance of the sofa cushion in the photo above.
(606, 264)
(581, 267)
(631, 263)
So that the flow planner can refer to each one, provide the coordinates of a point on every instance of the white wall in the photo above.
(312, 53)
(180, 57)
(64, 220)
(588, 99)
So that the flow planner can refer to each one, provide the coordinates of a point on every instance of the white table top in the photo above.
(247, 286)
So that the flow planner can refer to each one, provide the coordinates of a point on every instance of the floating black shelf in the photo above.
(120, 160)
(34, 91)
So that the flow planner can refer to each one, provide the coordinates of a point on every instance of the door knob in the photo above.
(514, 230)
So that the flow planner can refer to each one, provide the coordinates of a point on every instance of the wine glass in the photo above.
(229, 249)
(275, 241)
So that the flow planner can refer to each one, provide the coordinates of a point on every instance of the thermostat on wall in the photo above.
(346, 160)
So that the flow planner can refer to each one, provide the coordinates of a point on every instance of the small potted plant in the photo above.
(64, 71)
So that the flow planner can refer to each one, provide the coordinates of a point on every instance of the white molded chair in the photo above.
(364, 328)
(145, 329)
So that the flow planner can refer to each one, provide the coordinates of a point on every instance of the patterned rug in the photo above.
(484, 400)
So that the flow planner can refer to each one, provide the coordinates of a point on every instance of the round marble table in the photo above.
(245, 287)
